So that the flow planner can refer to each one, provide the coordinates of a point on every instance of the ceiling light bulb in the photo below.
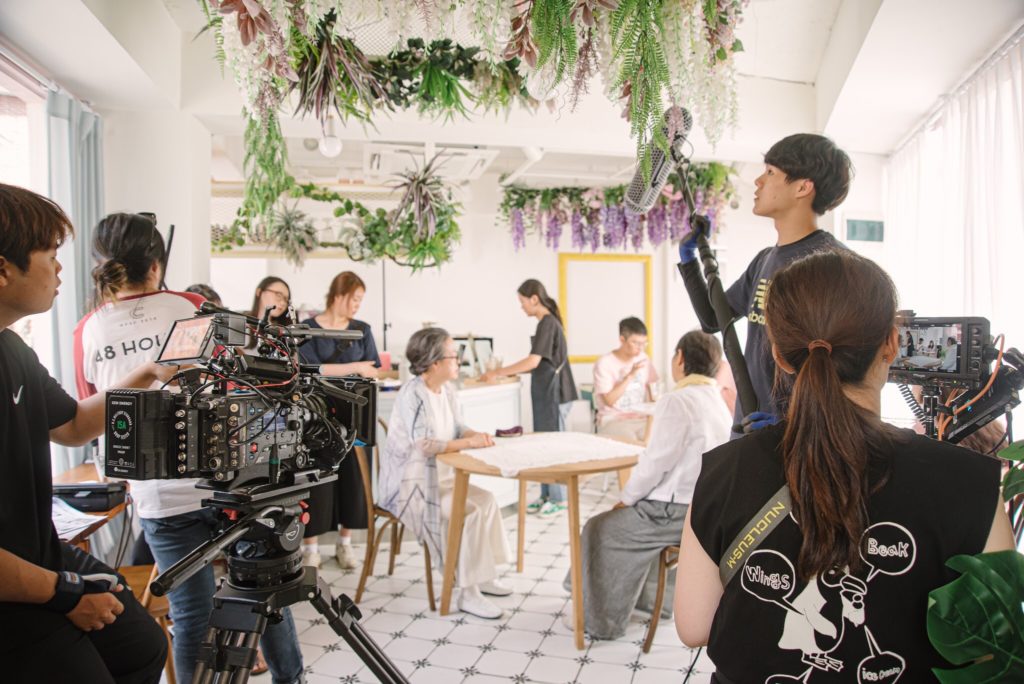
(330, 146)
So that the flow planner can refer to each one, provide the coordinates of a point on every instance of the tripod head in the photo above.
(263, 540)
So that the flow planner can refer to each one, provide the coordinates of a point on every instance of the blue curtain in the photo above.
(75, 143)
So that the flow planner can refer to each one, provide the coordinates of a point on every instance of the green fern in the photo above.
(214, 23)
(555, 35)
(636, 30)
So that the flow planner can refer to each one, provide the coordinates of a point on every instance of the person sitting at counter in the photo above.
(427, 420)
(622, 383)
(621, 546)
(342, 504)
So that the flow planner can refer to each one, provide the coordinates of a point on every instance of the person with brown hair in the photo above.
(64, 616)
(838, 589)
(343, 504)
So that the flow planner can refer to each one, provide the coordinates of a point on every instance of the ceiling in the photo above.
(864, 72)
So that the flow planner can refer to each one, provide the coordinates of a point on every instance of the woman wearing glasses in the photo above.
(425, 421)
(342, 505)
(272, 291)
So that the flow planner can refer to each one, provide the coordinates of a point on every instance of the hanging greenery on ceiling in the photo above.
(597, 217)
(650, 53)
(420, 232)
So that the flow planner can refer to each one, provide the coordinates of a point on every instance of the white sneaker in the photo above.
(473, 602)
(346, 556)
(495, 588)
(311, 558)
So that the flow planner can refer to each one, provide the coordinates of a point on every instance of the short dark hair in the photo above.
(206, 292)
(702, 354)
(817, 159)
(29, 223)
(632, 326)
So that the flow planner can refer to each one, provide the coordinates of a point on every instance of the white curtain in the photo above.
(75, 142)
(955, 203)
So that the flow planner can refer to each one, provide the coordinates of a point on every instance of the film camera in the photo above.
(952, 359)
(267, 418)
(260, 430)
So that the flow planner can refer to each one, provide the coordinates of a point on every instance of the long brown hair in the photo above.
(831, 445)
(344, 284)
(531, 288)
(263, 285)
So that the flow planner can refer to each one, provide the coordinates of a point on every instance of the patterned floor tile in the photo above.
(528, 643)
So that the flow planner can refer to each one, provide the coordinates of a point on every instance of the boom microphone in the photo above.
(641, 195)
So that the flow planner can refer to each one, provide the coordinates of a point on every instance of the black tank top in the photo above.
(841, 627)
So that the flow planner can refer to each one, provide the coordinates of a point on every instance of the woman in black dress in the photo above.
(342, 504)
(552, 388)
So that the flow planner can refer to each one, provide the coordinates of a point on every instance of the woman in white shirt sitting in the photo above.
(621, 546)
(425, 421)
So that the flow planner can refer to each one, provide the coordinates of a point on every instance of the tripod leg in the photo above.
(203, 674)
(248, 641)
(342, 615)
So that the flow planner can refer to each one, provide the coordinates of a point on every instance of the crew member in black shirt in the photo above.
(64, 616)
(805, 175)
(832, 585)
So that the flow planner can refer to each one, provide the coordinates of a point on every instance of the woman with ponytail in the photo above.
(552, 388)
(126, 330)
(836, 589)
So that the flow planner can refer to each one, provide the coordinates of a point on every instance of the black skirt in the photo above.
(342, 502)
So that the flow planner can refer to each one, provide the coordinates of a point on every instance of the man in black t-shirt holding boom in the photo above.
(64, 616)
(805, 176)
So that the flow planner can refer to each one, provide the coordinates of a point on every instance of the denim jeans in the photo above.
(171, 539)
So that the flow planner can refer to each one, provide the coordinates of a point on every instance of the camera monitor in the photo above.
(189, 341)
(949, 351)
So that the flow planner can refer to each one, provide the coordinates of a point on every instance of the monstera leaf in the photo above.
(978, 619)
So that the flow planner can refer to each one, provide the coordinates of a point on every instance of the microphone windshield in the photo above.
(641, 195)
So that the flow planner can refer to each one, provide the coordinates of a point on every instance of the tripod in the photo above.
(265, 575)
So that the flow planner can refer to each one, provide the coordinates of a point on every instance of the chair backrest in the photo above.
(364, 472)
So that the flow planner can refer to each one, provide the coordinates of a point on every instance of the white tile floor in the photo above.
(527, 644)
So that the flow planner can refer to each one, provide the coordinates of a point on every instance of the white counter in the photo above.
(485, 408)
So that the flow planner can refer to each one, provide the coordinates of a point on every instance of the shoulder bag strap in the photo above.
(751, 535)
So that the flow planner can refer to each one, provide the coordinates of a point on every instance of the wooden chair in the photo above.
(667, 561)
(374, 535)
(138, 578)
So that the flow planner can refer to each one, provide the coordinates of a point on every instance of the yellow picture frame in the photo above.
(565, 259)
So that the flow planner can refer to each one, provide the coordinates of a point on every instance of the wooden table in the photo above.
(86, 472)
(567, 474)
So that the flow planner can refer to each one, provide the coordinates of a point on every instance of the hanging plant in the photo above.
(420, 232)
(333, 74)
(266, 157)
(598, 216)
(555, 35)
(292, 232)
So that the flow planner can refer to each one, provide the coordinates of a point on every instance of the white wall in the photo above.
(477, 291)
(159, 161)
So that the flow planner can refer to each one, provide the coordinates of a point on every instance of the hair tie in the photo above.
(815, 344)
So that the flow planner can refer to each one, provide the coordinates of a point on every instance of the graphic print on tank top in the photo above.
(833, 606)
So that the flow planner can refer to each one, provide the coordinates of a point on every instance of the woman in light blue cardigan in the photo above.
(425, 421)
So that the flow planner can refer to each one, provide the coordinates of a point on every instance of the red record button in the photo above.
(253, 448)
(304, 518)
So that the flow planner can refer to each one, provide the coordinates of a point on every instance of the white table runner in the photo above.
(545, 449)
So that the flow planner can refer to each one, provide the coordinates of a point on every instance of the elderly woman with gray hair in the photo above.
(426, 421)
